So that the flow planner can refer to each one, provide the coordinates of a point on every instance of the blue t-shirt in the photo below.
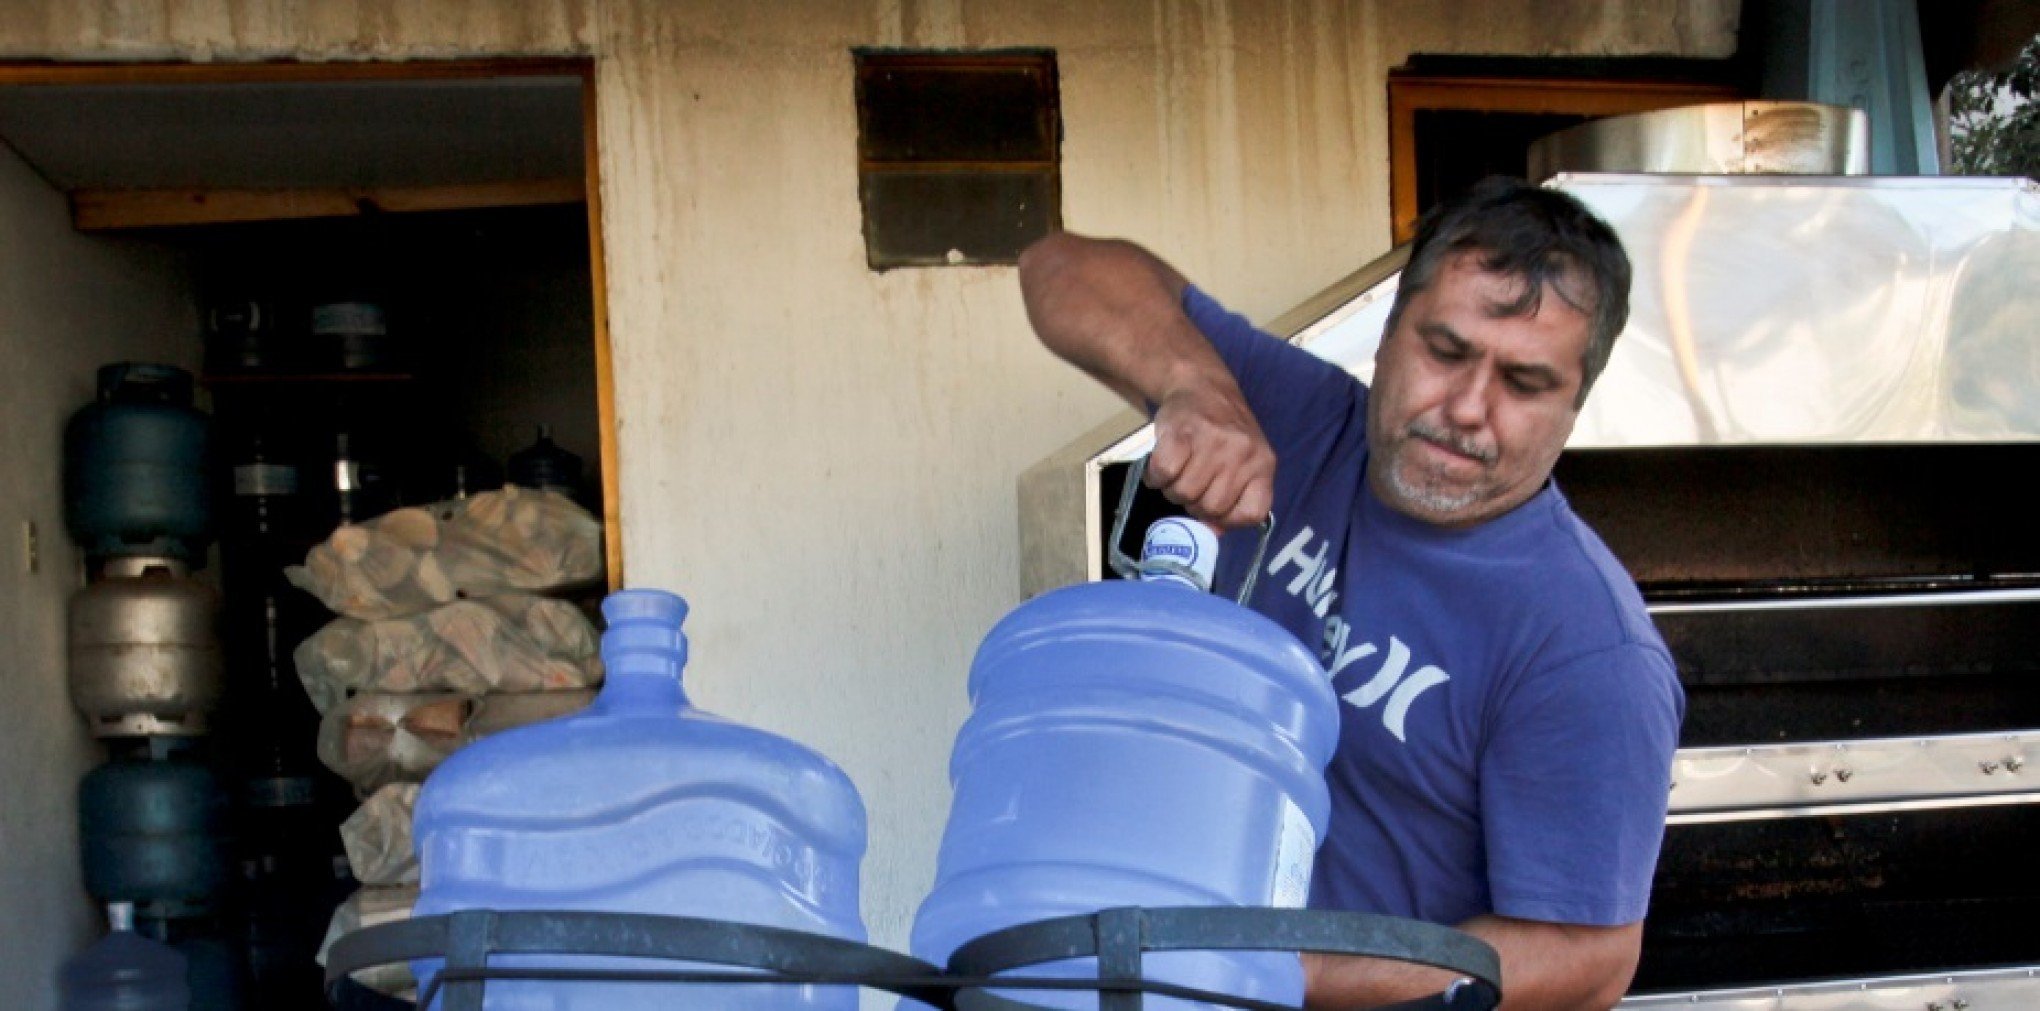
(1508, 711)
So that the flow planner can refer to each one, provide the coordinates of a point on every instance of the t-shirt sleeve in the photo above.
(1295, 395)
(1574, 784)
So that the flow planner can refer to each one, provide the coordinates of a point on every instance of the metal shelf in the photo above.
(1853, 777)
(2014, 989)
(1946, 598)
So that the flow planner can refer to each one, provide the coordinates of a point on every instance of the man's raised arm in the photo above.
(1115, 311)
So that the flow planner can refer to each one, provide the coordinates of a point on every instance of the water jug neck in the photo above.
(643, 649)
(643, 691)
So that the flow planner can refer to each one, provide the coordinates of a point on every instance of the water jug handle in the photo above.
(1129, 568)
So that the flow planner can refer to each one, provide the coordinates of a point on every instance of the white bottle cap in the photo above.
(120, 915)
(1179, 550)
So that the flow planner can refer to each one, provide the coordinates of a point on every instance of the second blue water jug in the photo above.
(643, 804)
(1135, 744)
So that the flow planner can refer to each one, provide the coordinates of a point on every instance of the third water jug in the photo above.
(643, 804)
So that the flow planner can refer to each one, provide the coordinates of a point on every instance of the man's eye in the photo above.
(1448, 353)
(1526, 386)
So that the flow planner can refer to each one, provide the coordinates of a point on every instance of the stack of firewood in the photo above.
(512, 643)
(442, 641)
(410, 560)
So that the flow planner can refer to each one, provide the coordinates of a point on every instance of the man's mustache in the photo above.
(1460, 444)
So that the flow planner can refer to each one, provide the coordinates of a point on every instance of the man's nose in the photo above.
(1466, 403)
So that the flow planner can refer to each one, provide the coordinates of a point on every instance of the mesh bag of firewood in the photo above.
(377, 837)
(408, 561)
(494, 714)
(513, 643)
(378, 738)
(373, 906)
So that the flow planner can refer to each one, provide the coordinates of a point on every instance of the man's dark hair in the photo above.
(1543, 237)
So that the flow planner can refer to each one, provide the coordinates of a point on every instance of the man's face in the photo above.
(1470, 408)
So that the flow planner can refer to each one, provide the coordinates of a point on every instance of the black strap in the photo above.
(1116, 937)
(466, 940)
(1118, 943)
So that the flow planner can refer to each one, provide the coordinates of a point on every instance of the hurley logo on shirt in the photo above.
(1392, 680)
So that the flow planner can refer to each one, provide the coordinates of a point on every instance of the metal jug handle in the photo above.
(1130, 568)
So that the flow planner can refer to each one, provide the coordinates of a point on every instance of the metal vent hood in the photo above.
(1766, 310)
(1745, 138)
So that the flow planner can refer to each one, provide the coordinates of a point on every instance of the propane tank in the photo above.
(644, 804)
(269, 724)
(357, 331)
(361, 486)
(152, 828)
(240, 335)
(1137, 743)
(544, 464)
(135, 467)
(144, 649)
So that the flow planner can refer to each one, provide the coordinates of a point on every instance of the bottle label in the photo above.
(1180, 550)
(1295, 850)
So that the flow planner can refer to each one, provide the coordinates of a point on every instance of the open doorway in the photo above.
(387, 282)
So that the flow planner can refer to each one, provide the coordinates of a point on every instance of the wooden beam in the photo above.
(95, 210)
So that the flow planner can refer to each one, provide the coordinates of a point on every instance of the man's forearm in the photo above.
(1115, 310)
(1545, 967)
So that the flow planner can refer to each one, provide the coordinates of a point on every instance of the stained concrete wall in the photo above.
(67, 304)
(823, 458)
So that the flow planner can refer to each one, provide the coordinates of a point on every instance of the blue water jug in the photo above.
(212, 967)
(643, 804)
(135, 467)
(124, 972)
(1136, 743)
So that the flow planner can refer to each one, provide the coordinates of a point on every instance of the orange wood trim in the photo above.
(1408, 94)
(1500, 94)
(284, 71)
(94, 210)
(605, 362)
(1402, 165)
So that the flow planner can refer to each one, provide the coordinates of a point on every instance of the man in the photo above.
(1509, 713)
